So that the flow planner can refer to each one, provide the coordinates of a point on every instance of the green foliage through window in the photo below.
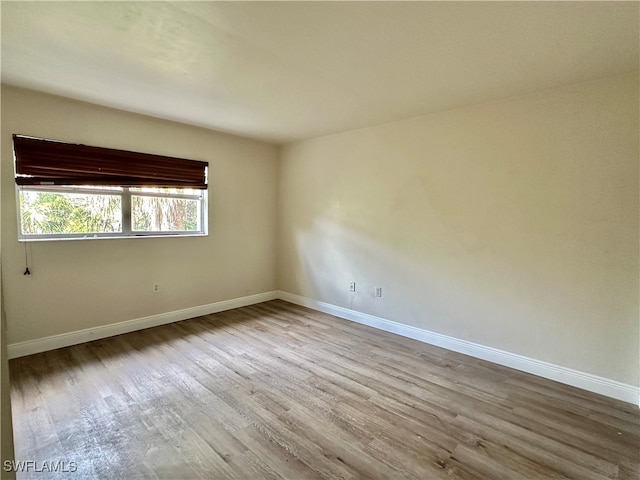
(59, 212)
(156, 214)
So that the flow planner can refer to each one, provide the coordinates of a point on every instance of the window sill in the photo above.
(112, 237)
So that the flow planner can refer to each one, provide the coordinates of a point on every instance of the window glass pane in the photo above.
(157, 214)
(170, 191)
(69, 213)
(94, 187)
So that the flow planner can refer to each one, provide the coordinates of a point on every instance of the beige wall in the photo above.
(82, 284)
(511, 224)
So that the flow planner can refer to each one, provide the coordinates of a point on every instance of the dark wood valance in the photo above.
(49, 162)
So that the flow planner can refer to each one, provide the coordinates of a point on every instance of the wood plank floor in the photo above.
(279, 391)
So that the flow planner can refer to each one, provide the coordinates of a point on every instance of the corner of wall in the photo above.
(278, 217)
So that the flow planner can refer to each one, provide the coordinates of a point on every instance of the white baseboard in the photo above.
(585, 381)
(30, 347)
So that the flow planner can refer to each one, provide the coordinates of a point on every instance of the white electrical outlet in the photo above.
(352, 286)
(156, 288)
(379, 292)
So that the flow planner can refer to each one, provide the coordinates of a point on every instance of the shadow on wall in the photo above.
(434, 293)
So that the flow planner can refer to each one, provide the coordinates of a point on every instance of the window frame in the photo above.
(125, 195)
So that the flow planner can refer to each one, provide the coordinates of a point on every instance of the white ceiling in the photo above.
(282, 71)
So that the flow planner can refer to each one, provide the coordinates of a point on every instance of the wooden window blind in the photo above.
(49, 162)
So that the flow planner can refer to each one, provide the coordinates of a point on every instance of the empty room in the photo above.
(305, 240)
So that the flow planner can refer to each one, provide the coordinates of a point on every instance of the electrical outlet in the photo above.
(379, 292)
(352, 286)
(156, 288)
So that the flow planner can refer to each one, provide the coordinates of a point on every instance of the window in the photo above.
(74, 191)
(49, 212)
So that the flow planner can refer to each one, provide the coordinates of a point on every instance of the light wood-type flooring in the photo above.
(279, 391)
